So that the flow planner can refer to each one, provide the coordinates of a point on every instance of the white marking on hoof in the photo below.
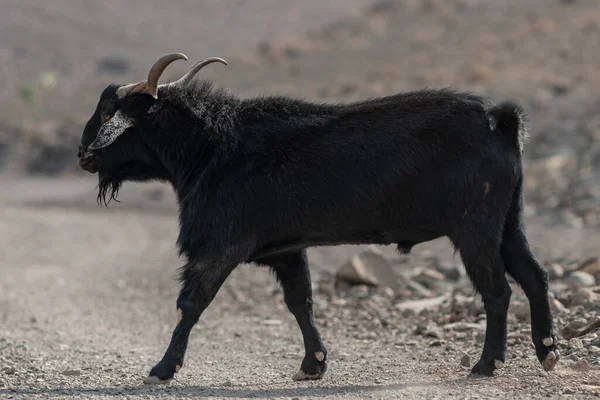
(548, 342)
(319, 356)
(177, 368)
(155, 380)
(179, 315)
(303, 376)
(550, 361)
(498, 364)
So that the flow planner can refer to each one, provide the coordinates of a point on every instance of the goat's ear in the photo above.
(111, 130)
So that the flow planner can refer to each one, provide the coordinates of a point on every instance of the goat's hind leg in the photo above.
(292, 272)
(533, 278)
(485, 268)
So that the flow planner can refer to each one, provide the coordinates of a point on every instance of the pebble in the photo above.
(581, 278)
(575, 343)
(465, 360)
(582, 296)
(581, 365)
(594, 349)
(556, 271)
(434, 331)
(271, 322)
(9, 370)
(72, 372)
(569, 391)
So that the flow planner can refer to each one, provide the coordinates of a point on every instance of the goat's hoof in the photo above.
(303, 376)
(551, 360)
(485, 367)
(313, 366)
(547, 352)
(162, 373)
(155, 380)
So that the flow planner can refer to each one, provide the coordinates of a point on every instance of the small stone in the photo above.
(591, 266)
(582, 296)
(555, 271)
(371, 268)
(228, 383)
(581, 279)
(9, 370)
(72, 372)
(575, 343)
(389, 292)
(569, 391)
(417, 306)
(594, 349)
(465, 360)
(580, 327)
(574, 357)
(520, 310)
(581, 365)
(271, 322)
(435, 332)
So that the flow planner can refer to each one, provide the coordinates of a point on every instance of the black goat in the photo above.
(260, 180)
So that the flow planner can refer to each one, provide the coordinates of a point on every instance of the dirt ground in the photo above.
(87, 294)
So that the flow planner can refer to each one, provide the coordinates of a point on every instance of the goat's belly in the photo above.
(405, 239)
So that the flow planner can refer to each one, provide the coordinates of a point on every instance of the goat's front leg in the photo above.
(200, 285)
(292, 272)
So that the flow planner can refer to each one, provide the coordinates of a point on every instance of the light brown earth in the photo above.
(87, 294)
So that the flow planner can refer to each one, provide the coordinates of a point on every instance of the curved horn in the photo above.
(157, 70)
(187, 78)
(150, 86)
(124, 90)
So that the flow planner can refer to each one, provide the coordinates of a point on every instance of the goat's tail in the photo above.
(510, 120)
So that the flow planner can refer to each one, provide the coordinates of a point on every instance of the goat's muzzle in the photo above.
(88, 160)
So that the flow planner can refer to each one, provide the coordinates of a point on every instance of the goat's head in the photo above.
(112, 143)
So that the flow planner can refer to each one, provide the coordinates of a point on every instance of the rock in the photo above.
(434, 331)
(591, 266)
(9, 370)
(594, 349)
(368, 268)
(575, 343)
(272, 322)
(569, 391)
(418, 305)
(418, 288)
(582, 296)
(555, 271)
(581, 365)
(451, 271)
(72, 372)
(430, 279)
(578, 328)
(465, 360)
(228, 383)
(519, 309)
(557, 307)
(581, 279)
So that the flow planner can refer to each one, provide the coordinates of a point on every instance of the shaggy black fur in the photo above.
(260, 180)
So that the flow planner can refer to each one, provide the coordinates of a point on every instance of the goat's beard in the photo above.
(108, 189)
